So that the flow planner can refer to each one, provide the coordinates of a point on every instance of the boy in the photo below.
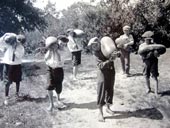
(105, 78)
(125, 51)
(75, 50)
(12, 72)
(55, 69)
(150, 60)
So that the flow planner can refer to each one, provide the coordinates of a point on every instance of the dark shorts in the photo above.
(151, 67)
(12, 73)
(76, 58)
(55, 79)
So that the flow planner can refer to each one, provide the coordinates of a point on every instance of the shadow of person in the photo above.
(135, 74)
(24, 98)
(34, 69)
(32, 99)
(91, 105)
(165, 93)
(88, 78)
(151, 113)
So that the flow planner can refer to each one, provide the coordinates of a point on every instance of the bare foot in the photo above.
(148, 91)
(6, 101)
(128, 75)
(101, 118)
(60, 105)
(157, 94)
(50, 108)
(109, 111)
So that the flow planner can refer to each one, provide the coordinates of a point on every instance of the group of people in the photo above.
(12, 47)
(106, 69)
(14, 51)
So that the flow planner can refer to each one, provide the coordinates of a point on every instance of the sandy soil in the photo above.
(132, 106)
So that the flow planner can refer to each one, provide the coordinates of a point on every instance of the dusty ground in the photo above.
(133, 107)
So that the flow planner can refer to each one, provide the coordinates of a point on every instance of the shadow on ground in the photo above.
(32, 99)
(91, 105)
(136, 74)
(165, 93)
(151, 113)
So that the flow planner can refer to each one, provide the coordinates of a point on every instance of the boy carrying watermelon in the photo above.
(105, 73)
(55, 70)
(150, 53)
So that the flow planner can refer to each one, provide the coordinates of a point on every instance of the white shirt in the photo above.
(3, 45)
(8, 55)
(72, 45)
(52, 59)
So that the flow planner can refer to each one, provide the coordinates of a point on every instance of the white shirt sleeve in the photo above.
(3, 45)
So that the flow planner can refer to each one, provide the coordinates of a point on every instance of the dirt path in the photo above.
(132, 106)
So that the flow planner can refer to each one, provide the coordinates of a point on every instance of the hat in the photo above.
(21, 39)
(93, 40)
(76, 32)
(10, 38)
(148, 34)
(69, 30)
(50, 40)
(126, 27)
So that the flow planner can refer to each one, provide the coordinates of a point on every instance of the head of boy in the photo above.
(94, 44)
(10, 39)
(51, 42)
(21, 39)
(71, 32)
(148, 37)
(126, 29)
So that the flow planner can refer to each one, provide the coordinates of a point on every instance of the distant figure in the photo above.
(150, 53)
(13, 53)
(125, 48)
(55, 70)
(105, 77)
(75, 50)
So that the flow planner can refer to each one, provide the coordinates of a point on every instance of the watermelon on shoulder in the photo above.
(107, 46)
(144, 48)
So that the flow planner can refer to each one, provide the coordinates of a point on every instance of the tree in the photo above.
(154, 16)
(19, 15)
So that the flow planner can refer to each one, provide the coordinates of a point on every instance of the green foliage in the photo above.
(19, 15)
(108, 17)
(104, 19)
(154, 16)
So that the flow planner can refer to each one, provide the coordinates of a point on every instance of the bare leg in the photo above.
(17, 88)
(7, 93)
(75, 70)
(156, 85)
(58, 97)
(127, 63)
(148, 85)
(123, 64)
(50, 94)
(101, 118)
(7, 89)
(108, 110)
(60, 104)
